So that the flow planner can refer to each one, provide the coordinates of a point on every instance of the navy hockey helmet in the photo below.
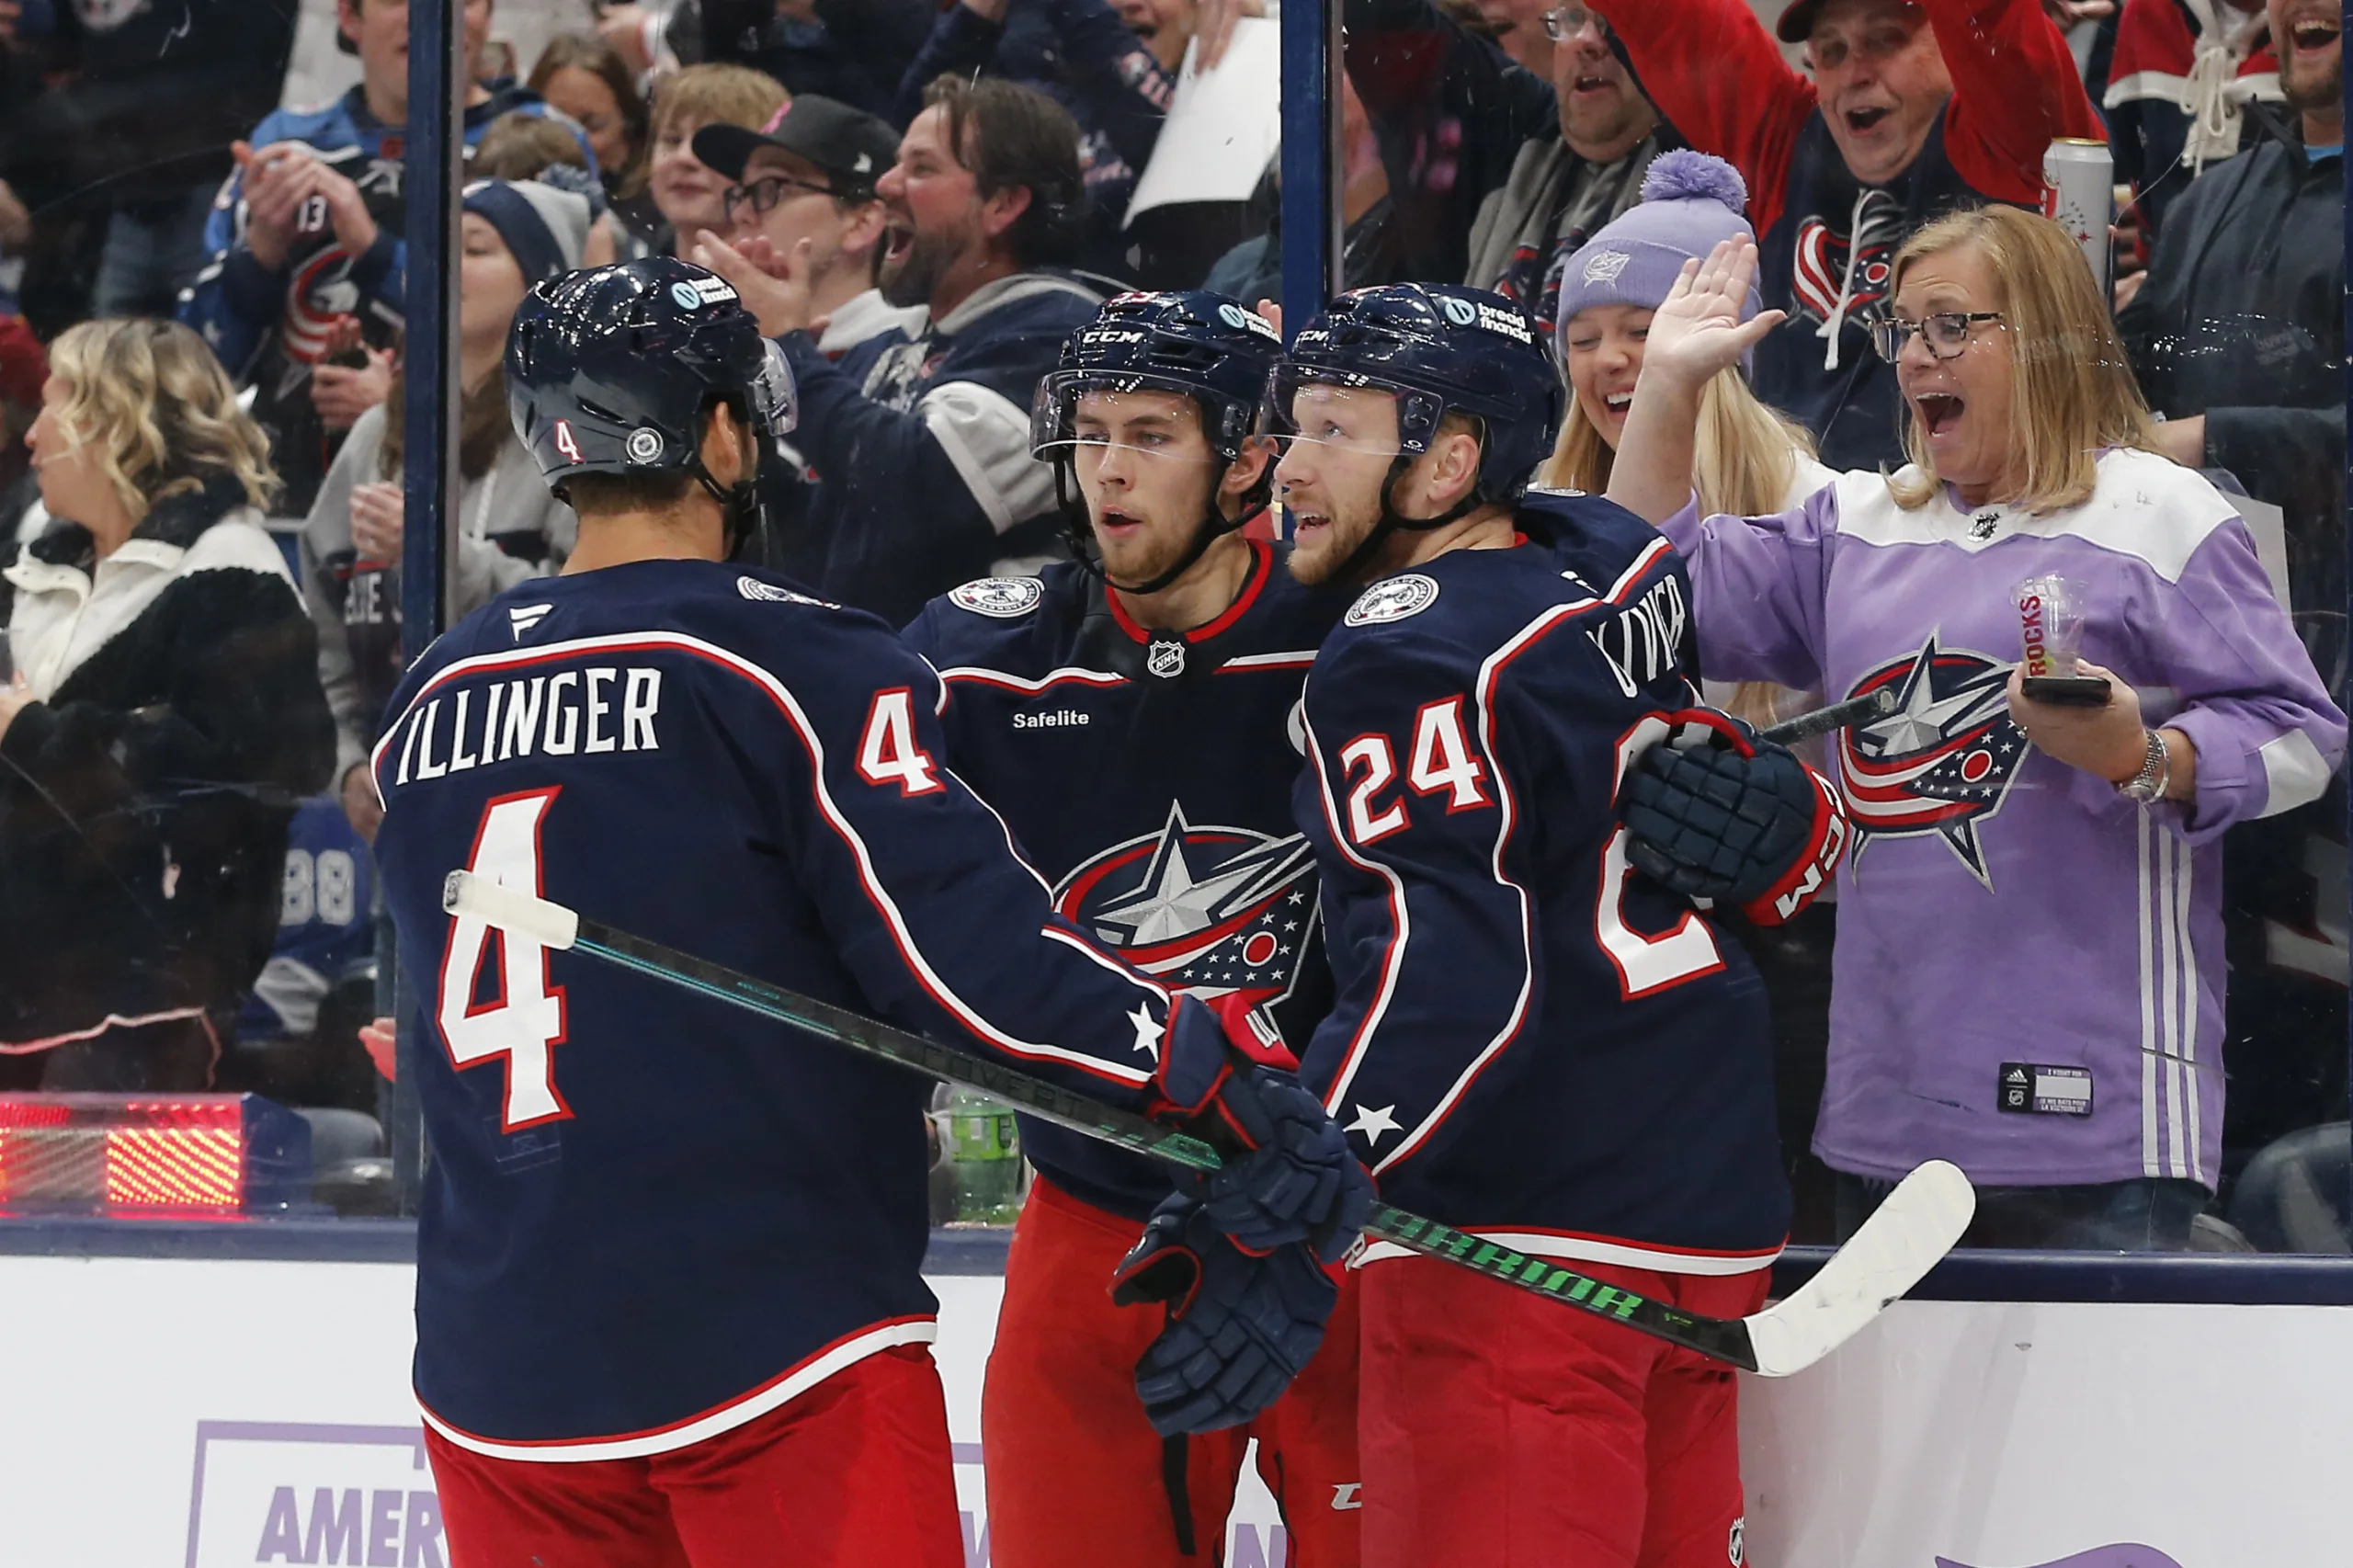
(1203, 346)
(1441, 350)
(610, 371)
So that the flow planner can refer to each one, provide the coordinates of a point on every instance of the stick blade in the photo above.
(1920, 1223)
(474, 897)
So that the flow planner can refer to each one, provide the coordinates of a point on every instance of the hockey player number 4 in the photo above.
(525, 1020)
(887, 752)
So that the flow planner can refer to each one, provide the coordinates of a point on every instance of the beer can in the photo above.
(2078, 194)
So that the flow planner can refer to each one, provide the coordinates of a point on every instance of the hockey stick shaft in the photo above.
(1836, 716)
(553, 926)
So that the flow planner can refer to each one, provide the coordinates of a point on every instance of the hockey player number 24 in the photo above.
(524, 1019)
(1441, 763)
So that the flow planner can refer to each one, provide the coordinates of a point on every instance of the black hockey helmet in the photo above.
(1203, 346)
(610, 371)
(1440, 348)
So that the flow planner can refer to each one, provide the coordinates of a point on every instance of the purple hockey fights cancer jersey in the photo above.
(650, 1215)
(1150, 780)
(1531, 1040)
(1999, 910)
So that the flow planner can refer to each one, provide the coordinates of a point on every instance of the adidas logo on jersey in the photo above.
(523, 617)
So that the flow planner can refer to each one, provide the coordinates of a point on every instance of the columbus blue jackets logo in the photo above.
(1003, 598)
(1208, 909)
(1393, 598)
(1830, 267)
(1943, 760)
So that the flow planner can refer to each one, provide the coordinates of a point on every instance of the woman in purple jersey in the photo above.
(2029, 970)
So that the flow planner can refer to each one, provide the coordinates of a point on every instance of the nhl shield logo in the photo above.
(1393, 598)
(1943, 761)
(1003, 598)
(1165, 658)
(644, 444)
(1210, 909)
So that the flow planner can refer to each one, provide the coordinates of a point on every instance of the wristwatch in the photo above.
(2148, 786)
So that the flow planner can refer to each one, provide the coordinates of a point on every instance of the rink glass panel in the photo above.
(111, 193)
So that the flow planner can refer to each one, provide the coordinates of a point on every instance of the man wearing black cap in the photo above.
(809, 174)
(1912, 111)
(919, 474)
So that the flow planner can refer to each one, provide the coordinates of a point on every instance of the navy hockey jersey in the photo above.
(651, 1216)
(1529, 1039)
(1149, 777)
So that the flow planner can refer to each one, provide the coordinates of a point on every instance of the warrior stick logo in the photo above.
(1943, 760)
(1207, 909)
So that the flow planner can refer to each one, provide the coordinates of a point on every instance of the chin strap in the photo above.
(739, 503)
(1389, 521)
(1214, 525)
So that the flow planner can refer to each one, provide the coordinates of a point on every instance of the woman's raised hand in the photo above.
(1698, 332)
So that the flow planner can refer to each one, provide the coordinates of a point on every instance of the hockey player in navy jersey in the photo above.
(1531, 1040)
(1134, 716)
(669, 1306)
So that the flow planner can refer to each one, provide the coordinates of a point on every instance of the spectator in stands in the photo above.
(24, 368)
(2238, 334)
(2030, 971)
(1372, 249)
(508, 527)
(580, 74)
(145, 102)
(1164, 26)
(309, 262)
(1498, 172)
(164, 712)
(1519, 30)
(519, 146)
(807, 178)
(1081, 54)
(2179, 81)
(1914, 110)
(853, 51)
(689, 195)
(921, 448)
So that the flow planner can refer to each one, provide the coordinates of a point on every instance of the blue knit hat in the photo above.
(545, 228)
(1691, 202)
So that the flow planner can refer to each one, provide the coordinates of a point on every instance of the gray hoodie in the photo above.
(508, 528)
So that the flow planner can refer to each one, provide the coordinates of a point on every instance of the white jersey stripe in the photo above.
(2145, 907)
(2169, 949)
(2189, 1067)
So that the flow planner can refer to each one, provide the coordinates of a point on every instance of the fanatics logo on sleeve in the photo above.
(523, 617)
(1393, 598)
(1003, 598)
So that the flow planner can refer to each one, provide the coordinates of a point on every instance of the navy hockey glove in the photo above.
(1239, 1329)
(1291, 1176)
(1715, 813)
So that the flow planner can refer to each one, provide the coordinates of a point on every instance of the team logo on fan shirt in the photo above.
(1207, 909)
(1003, 598)
(1943, 760)
(1392, 598)
(1830, 266)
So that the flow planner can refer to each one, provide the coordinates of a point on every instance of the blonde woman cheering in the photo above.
(2033, 901)
(164, 716)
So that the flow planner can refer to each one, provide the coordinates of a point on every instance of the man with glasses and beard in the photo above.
(918, 473)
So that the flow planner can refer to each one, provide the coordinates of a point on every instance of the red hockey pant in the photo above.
(1077, 1476)
(1501, 1430)
(854, 1474)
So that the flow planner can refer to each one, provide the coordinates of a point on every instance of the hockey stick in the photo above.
(1836, 716)
(1916, 1225)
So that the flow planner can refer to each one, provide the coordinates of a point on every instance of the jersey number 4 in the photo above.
(523, 1019)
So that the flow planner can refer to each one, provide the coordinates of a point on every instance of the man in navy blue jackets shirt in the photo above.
(919, 474)
(1133, 717)
(1530, 1041)
(669, 1301)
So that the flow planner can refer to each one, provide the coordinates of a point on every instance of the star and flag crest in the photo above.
(1204, 909)
(1943, 760)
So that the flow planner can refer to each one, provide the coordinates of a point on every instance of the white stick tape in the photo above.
(471, 897)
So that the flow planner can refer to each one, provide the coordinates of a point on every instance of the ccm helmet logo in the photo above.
(565, 442)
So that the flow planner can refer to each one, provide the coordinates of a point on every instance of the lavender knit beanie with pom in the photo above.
(1690, 201)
